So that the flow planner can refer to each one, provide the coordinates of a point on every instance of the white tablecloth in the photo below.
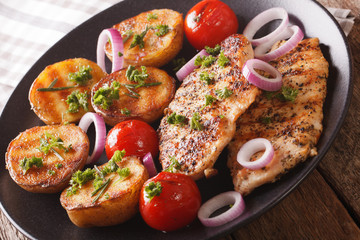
(29, 27)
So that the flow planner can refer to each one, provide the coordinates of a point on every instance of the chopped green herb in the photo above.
(162, 29)
(175, 118)
(221, 116)
(125, 111)
(208, 101)
(222, 60)
(79, 178)
(205, 61)
(82, 76)
(123, 172)
(107, 196)
(58, 165)
(195, 122)
(118, 156)
(49, 142)
(174, 165)
(51, 88)
(112, 166)
(51, 172)
(213, 51)
(178, 63)
(153, 189)
(102, 189)
(285, 94)
(151, 16)
(224, 93)
(105, 95)
(266, 120)
(138, 39)
(206, 77)
(27, 163)
(76, 100)
(135, 75)
(120, 54)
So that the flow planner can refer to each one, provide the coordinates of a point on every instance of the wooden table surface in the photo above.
(326, 205)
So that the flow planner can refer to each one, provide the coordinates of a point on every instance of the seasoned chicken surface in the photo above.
(197, 141)
(293, 127)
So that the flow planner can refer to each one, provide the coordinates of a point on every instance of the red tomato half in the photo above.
(209, 22)
(176, 205)
(136, 137)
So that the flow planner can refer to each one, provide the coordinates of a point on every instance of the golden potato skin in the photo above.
(157, 50)
(39, 180)
(121, 204)
(148, 107)
(51, 107)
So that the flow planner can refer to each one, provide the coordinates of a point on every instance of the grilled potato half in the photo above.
(118, 203)
(157, 49)
(70, 79)
(42, 159)
(143, 99)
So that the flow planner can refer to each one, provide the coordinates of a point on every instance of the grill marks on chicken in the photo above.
(293, 127)
(197, 150)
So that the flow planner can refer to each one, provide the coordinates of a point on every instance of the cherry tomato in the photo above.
(136, 137)
(209, 22)
(174, 206)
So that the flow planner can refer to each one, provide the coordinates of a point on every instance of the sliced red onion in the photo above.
(294, 33)
(117, 46)
(189, 66)
(223, 199)
(100, 134)
(267, 84)
(263, 18)
(149, 164)
(250, 148)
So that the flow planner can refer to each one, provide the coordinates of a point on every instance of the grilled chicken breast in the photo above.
(293, 127)
(208, 127)
(37, 171)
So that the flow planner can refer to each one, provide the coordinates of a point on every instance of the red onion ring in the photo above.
(117, 46)
(149, 164)
(189, 66)
(100, 134)
(295, 34)
(263, 18)
(223, 199)
(250, 148)
(267, 84)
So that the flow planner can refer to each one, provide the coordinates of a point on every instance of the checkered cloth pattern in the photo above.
(29, 28)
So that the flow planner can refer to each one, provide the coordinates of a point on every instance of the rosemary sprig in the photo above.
(51, 88)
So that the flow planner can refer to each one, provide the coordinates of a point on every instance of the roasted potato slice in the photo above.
(50, 104)
(157, 50)
(34, 170)
(117, 204)
(145, 103)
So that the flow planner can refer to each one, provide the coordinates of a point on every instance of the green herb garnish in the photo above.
(222, 60)
(125, 111)
(208, 101)
(223, 93)
(135, 75)
(266, 120)
(175, 118)
(105, 95)
(178, 63)
(100, 188)
(195, 122)
(49, 142)
(151, 16)
(76, 100)
(206, 77)
(127, 35)
(123, 173)
(213, 51)
(51, 87)
(161, 30)
(78, 179)
(51, 172)
(58, 165)
(82, 76)
(204, 61)
(285, 94)
(174, 165)
(153, 189)
(138, 39)
(27, 163)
